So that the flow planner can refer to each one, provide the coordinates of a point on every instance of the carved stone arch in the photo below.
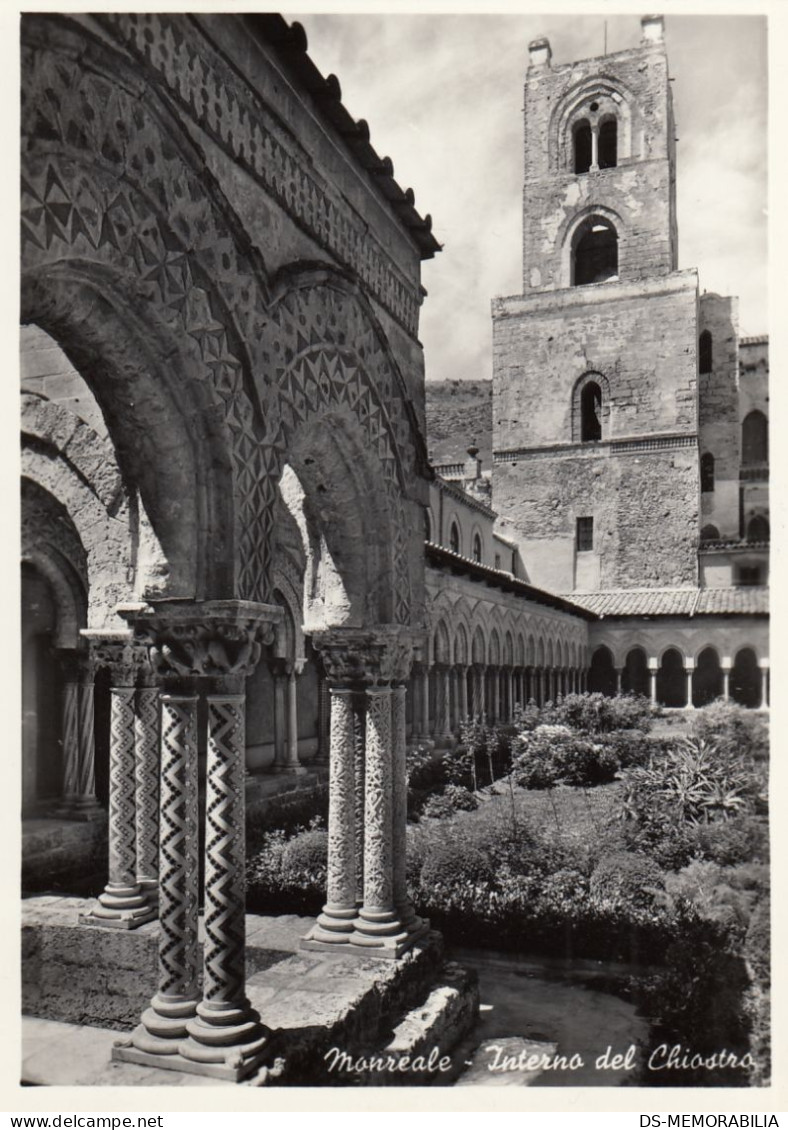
(521, 654)
(614, 96)
(69, 600)
(330, 356)
(479, 646)
(461, 646)
(540, 652)
(441, 646)
(508, 650)
(131, 262)
(576, 223)
(288, 590)
(99, 553)
(550, 656)
(494, 652)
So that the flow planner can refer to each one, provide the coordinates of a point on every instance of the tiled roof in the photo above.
(752, 599)
(745, 600)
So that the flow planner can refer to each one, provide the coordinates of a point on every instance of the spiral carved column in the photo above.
(79, 781)
(414, 925)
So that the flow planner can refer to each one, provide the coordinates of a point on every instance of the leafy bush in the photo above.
(550, 755)
(692, 782)
(624, 881)
(454, 798)
(737, 840)
(600, 714)
(630, 748)
(735, 731)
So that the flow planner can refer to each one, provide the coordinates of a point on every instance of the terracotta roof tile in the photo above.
(675, 602)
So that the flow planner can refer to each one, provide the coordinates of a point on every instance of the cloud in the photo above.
(443, 97)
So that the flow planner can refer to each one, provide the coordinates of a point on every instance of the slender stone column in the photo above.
(220, 641)
(726, 665)
(424, 700)
(122, 904)
(286, 717)
(323, 722)
(226, 1030)
(495, 704)
(653, 667)
(278, 668)
(146, 757)
(79, 782)
(444, 678)
(619, 673)
(163, 1025)
(689, 667)
(764, 667)
(478, 690)
(463, 700)
(402, 904)
(510, 694)
(336, 921)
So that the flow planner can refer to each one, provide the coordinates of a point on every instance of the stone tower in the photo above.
(595, 385)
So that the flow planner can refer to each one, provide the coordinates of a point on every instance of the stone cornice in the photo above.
(366, 656)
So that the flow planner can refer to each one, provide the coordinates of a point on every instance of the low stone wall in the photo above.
(65, 855)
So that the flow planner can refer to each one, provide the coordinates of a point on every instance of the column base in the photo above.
(128, 919)
(297, 770)
(388, 946)
(227, 1070)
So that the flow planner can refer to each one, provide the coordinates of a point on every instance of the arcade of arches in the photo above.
(225, 481)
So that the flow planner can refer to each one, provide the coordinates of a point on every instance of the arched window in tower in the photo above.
(582, 146)
(608, 144)
(590, 413)
(454, 538)
(704, 352)
(707, 472)
(754, 439)
(477, 548)
(709, 533)
(595, 256)
(758, 528)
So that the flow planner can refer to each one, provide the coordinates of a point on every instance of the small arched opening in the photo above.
(706, 678)
(745, 679)
(454, 538)
(595, 257)
(672, 679)
(477, 549)
(758, 528)
(602, 673)
(634, 677)
(705, 351)
(709, 533)
(608, 144)
(590, 413)
(707, 472)
(754, 439)
(581, 138)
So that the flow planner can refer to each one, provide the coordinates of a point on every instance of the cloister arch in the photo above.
(634, 676)
(707, 681)
(671, 679)
(602, 675)
(745, 678)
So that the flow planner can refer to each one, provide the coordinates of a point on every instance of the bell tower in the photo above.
(595, 413)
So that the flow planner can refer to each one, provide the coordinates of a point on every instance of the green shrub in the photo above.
(454, 798)
(738, 840)
(623, 881)
(735, 731)
(692, 782)
(550, 755)
(757, 1004)
(599, 713)
(630, 747)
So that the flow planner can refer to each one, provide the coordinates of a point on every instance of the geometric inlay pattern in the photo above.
(122, 831)
(179, 874)
(146, 751)
(225, 855)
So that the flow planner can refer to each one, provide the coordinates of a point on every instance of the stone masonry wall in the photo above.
(639, 189)
(641, 338)
(718, 410)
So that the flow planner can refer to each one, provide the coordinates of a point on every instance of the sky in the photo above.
(443, 97)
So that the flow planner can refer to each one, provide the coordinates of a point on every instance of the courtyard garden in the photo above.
(591, 829)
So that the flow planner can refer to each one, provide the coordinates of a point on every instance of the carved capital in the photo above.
(365, 656)
(203, 638)
(125, 657)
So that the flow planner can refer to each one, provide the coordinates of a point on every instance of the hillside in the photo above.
(459, 413)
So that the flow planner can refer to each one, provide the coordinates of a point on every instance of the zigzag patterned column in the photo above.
(226, 1031)
(121, 904)
(146, 752)
(335, 924)
(163, 1025)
